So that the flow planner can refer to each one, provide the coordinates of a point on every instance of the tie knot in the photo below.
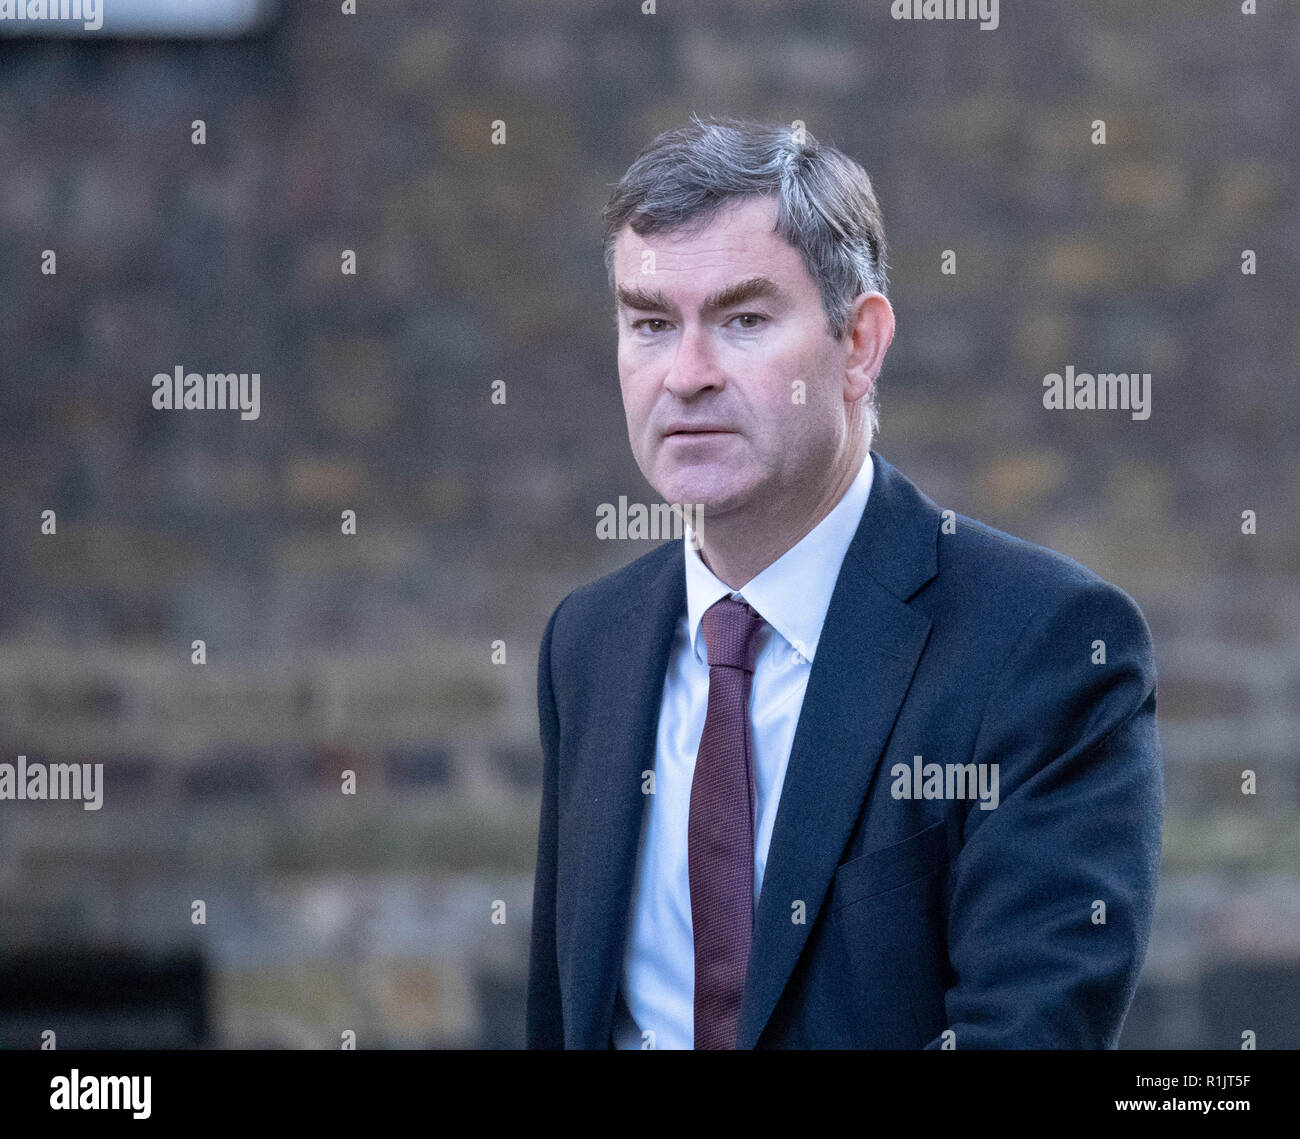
(730, 630)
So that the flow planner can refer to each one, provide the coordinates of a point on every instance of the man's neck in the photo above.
(737, 549)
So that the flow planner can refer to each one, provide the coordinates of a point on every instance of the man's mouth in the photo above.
(698, 429)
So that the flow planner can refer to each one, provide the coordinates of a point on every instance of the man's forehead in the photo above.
(748, 220)
(704, 258)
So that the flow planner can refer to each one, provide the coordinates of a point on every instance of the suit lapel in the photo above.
(634, 661)
(868, 651)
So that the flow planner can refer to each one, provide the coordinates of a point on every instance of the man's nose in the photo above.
(694, 366)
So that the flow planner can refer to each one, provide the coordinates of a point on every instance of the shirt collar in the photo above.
(794, 592)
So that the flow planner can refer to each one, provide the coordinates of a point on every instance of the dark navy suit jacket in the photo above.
(926, 921)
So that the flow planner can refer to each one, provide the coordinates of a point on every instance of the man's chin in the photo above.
(714, 497)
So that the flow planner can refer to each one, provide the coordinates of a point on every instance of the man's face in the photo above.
(712, 347)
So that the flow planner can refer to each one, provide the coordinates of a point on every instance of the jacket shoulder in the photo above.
(1019, 579)
(609, 595)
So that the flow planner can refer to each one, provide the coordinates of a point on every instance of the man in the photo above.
(856, 772)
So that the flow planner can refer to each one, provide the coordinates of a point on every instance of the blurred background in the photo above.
(374, 653)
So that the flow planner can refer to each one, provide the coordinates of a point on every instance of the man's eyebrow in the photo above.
(644, 300)
(750, 289)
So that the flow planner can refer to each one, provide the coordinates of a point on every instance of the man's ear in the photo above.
(870, 332)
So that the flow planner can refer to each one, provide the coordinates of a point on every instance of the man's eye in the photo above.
(757, 317)
(638, 324)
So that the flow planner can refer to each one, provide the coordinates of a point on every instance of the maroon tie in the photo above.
(721, 829)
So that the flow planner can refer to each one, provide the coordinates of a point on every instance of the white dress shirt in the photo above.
(657, 990)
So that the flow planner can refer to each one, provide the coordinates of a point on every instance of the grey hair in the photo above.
(826, 207)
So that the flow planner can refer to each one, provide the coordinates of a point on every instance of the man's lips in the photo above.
(698, 429)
